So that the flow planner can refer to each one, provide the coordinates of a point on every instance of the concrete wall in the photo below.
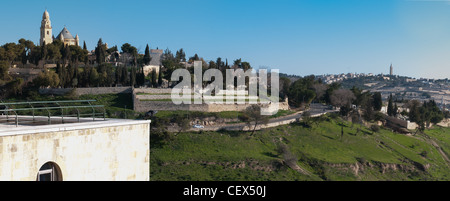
(83, 151)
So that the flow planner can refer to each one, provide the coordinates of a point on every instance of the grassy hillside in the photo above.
(295, 152)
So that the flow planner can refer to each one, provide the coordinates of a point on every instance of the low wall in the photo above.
(88, 90)
(145, 106)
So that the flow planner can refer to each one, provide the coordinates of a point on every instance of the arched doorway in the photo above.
(50, 171)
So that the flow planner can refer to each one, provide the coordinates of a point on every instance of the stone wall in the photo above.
(106, 150)
(84, 91)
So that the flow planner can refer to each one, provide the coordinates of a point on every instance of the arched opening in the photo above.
(50, 171)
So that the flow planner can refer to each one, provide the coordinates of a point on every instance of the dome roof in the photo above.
(65, 33)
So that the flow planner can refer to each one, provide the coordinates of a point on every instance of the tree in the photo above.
(94, 77)
(285, 83)
(153, 81)
(125, 77)
(66, 55)
(35, 55)
(4, 68)
(147, 57)
(395, 111)
(27, 46)
(160, 76)
(194, 58)
(131, 50)
(390, 108)
(61, 71)
(84, 45)
(245, 65)
(12, 88)
(331, 88)
(253, 115)
(237, 63)
(47, 79)
(368, 108)
(306, 119)
(78, 54)
(180, 55)
(320, 90)
(119, 75)
(377, 101)
(133, 77)
(342, 97)
(301, 93)
(100, 52)
(54, 52)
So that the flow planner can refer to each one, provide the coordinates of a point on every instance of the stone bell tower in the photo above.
(46, 29)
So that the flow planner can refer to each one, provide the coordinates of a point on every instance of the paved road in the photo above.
(315, 109)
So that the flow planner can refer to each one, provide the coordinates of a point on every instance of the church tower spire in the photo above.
(46, 29)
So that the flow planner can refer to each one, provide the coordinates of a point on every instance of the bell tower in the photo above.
(46, 29)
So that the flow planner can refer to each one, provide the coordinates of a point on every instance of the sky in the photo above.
(300, 37)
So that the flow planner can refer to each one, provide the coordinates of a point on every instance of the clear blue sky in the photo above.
(298, 37)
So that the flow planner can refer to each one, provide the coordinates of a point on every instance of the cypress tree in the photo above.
(160, 76)
(390, 109)
(153, 78)
(147, 57)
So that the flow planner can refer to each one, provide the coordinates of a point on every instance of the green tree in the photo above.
(100, 52)
(147, 57)
(27, 47)
(133, 76)
(127, 48)
(390, 108)
(94, 77)
(180, 55)
(285, 83)
(160, 76)
(153, 83)
(252, 115)
(47, 79)
(301, 92)
(377, 101)
(4, 68)
(61, 71)
(125, 77)
(246, 65)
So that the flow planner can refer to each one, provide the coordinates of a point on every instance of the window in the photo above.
(48, 32)
(49, 172)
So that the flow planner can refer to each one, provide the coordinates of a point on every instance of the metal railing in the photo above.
(58, 111)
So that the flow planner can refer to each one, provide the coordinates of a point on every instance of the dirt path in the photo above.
(444, 156)
(428, 139)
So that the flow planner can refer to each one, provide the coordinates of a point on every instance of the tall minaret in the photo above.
(46, 29)
(391, 70)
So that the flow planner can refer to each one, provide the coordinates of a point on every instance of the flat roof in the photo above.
(7, 129)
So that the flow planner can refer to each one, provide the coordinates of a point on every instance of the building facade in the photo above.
(46, 29)
(110, 150)
(64, 36)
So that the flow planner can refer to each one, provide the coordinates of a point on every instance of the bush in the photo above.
(375, 128)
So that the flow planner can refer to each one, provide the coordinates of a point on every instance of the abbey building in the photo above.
(64, 36)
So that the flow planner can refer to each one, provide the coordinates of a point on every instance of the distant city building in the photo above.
(64, 36)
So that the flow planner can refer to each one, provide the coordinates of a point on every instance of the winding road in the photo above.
(315, 110)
